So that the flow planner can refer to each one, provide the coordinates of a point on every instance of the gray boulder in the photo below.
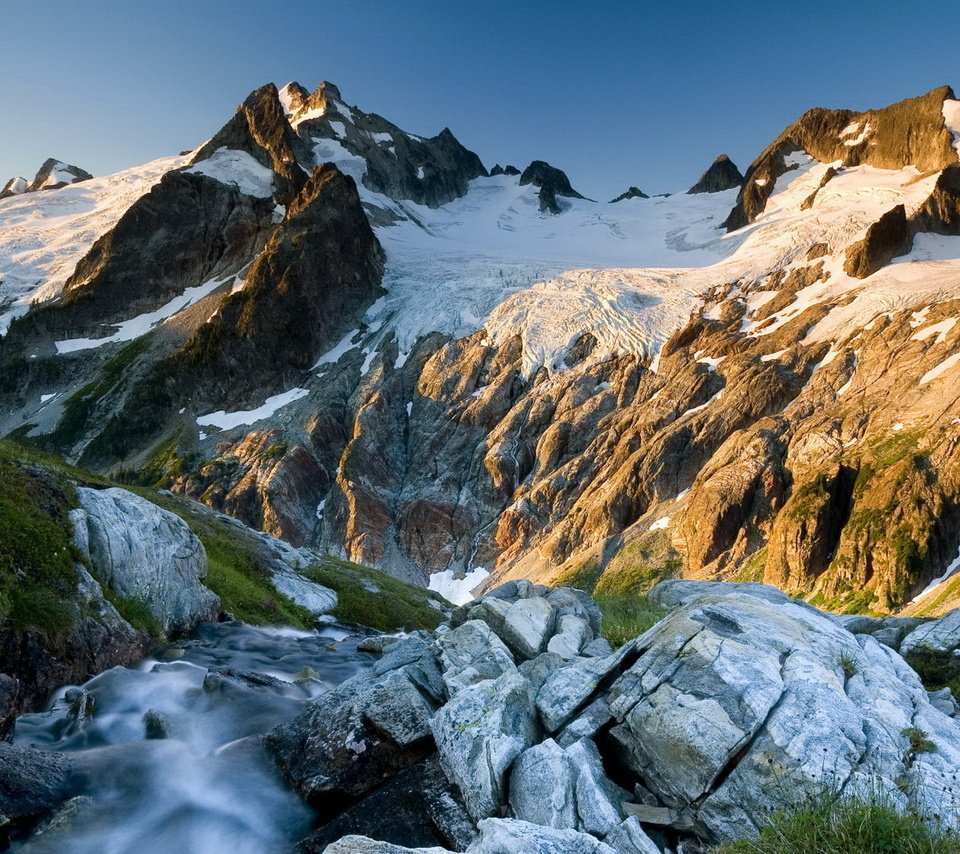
(572, 635)
(741, 705)
(542, 786)
(598, 799)
(479, 733)
(147, 554)
(352, 739)
(630, 838)
(937, 641)
(571, 687)
(510, 836)
(33, 784)
(472, 653)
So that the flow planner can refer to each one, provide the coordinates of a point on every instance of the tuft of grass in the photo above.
(918, 742)
(136, 613)
(834, 825)
(626, 617)
(849, 664)
(373, 598)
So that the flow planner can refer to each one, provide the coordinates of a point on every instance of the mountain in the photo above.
(357, 339)
(722, 175)
(52, 175)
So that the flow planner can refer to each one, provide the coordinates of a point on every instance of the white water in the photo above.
(209, 787)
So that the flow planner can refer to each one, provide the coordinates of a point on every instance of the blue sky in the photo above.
(615, 93)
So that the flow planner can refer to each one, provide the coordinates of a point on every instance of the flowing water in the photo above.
(201, 784)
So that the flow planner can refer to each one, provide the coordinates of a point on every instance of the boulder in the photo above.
(472, 653)
(479, 733)
(146, 554)
(542, 786)
(33, 784)
(572, 635)
(716, 713)
(353, 739)
(597, 798)
(510, 836)
(629, 838)
(417, 807)
(569, 688)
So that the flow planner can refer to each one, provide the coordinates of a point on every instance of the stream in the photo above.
(170, 753)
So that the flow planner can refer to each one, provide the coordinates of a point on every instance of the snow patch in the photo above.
(940, 369)
(228, 420)
(939, 329)
(948, 573)
(457, 590)
(143, 323)
(951, 119)
(661, 524)
(237, 169)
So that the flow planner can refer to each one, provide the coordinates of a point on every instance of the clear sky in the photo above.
(615, 93)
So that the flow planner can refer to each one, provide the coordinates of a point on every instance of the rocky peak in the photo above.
(293, 96)
(14, 187)
(551, 181)
(260, 128)
(911, 132)
(52, 175)
(55, 173)
(631, 193)
(722, 175)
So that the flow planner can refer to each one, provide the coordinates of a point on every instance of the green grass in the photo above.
(372, 598)
(832, 825)
(37, 556)
(626, 617)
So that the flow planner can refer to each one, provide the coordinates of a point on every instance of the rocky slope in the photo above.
(52, 175)
(499, 373)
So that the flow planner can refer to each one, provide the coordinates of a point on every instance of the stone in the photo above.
(715, 714)
(510, 836)
(587, 724)
(542, 786)
(527, 625)
(538, 670)
(597, 648)
(146, 554)
(395, 708)
(33, 783)
(629, 838)
(363, 845)
(342, 744)
(417, 807)
(472, 653)
(570, 687)
(157, 724)
(597, 798)
(573, 633)
(479, 733)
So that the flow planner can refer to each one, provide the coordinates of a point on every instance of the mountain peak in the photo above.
(631, 193)
(721, 175)
(551, 181)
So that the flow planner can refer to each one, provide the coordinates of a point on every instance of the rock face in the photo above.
(910, 132)
(631, 193)
(940, 213)
(9, 704)
(885, 239)
(738, 702)
(147, 554)
(722, 175)
(552, 182)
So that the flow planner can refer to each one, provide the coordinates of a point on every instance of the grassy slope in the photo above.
(37, 560)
